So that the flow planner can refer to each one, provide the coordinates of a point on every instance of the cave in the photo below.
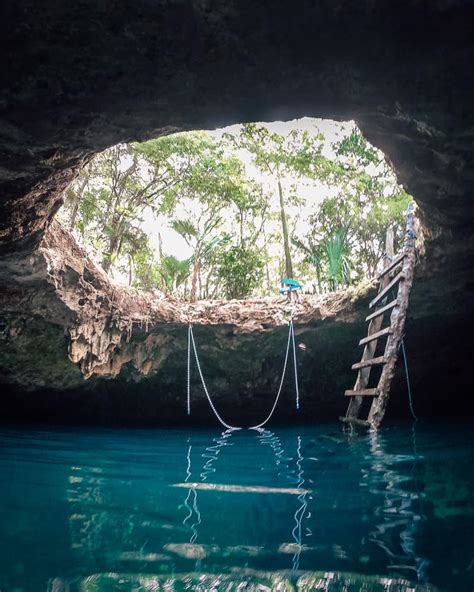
(141, 500)
(86, 76)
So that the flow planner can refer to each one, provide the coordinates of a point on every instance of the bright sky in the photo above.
(312, 193)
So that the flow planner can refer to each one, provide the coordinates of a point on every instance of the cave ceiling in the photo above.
(81, 76)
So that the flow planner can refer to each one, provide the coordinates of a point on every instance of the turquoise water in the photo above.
(305, 508)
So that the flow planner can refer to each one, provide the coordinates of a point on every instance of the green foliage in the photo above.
(314, 257)
(337, 250)
(186, 229)
(147, 270)
(356, 148)
(297, 155)
(240, 270)
(234, 224)
(173, 273)
(368, 201)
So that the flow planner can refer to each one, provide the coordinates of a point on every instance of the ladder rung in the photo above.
(373, 392)
(374, 336)
(394, 263)
(372, 362)
(381, 295)
(356, 421)
(382, 310)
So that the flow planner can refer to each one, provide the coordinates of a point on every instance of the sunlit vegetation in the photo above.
(249, 206)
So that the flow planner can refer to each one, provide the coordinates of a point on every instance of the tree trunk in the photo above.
(74, 212)
(160, 245)
(318, 275)
(112, 251)
(130, 269)
(286, 242)
(267, 269)
(77, 200)
(194, 282)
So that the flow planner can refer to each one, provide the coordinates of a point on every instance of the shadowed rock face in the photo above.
(79, 342)
(81, 76)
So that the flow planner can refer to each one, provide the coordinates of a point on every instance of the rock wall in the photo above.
(81, 76)
(76, 347)
(66, 328)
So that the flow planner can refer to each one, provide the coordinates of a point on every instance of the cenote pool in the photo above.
(306, 508)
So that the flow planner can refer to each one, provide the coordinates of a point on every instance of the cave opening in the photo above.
(225, 214)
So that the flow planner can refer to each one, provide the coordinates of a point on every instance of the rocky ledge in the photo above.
(66, 326)
(75, 346)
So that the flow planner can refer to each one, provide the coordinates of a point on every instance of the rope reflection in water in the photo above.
(192, 508)
(283, 470)
(301, 511)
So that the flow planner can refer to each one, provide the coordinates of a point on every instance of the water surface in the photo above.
(309, 508)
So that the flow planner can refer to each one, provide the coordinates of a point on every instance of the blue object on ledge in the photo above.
(292, 284)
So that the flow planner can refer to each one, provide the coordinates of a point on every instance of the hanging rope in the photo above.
(189, 370)
(192, 343)
(191, 338)
(410, 398)
(295, 365)
(269, 416)
(407, 374)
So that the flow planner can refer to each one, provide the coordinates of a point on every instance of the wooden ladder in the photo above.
(397, 272)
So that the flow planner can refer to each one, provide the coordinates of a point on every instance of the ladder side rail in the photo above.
(397, 322)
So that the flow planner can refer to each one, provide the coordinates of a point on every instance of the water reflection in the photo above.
(240, 581)
(392, 527)
(193, 518)
(397, 518)
(300, 510)
(216, 469)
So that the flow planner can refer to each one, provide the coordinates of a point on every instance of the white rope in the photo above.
(296, 367)
(291, 338)
(189, 370)
(407, 374)
(269, 416)
(226, 425)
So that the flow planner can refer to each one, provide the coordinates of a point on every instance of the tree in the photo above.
(173, 272)
(121, 183)
(373, 199)
(241, 270)
(348, 229)
(295, 156)
(217, 182)
(74, 194)
(235, 227)
(112, 195)
(198, 236)
(314, 256)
